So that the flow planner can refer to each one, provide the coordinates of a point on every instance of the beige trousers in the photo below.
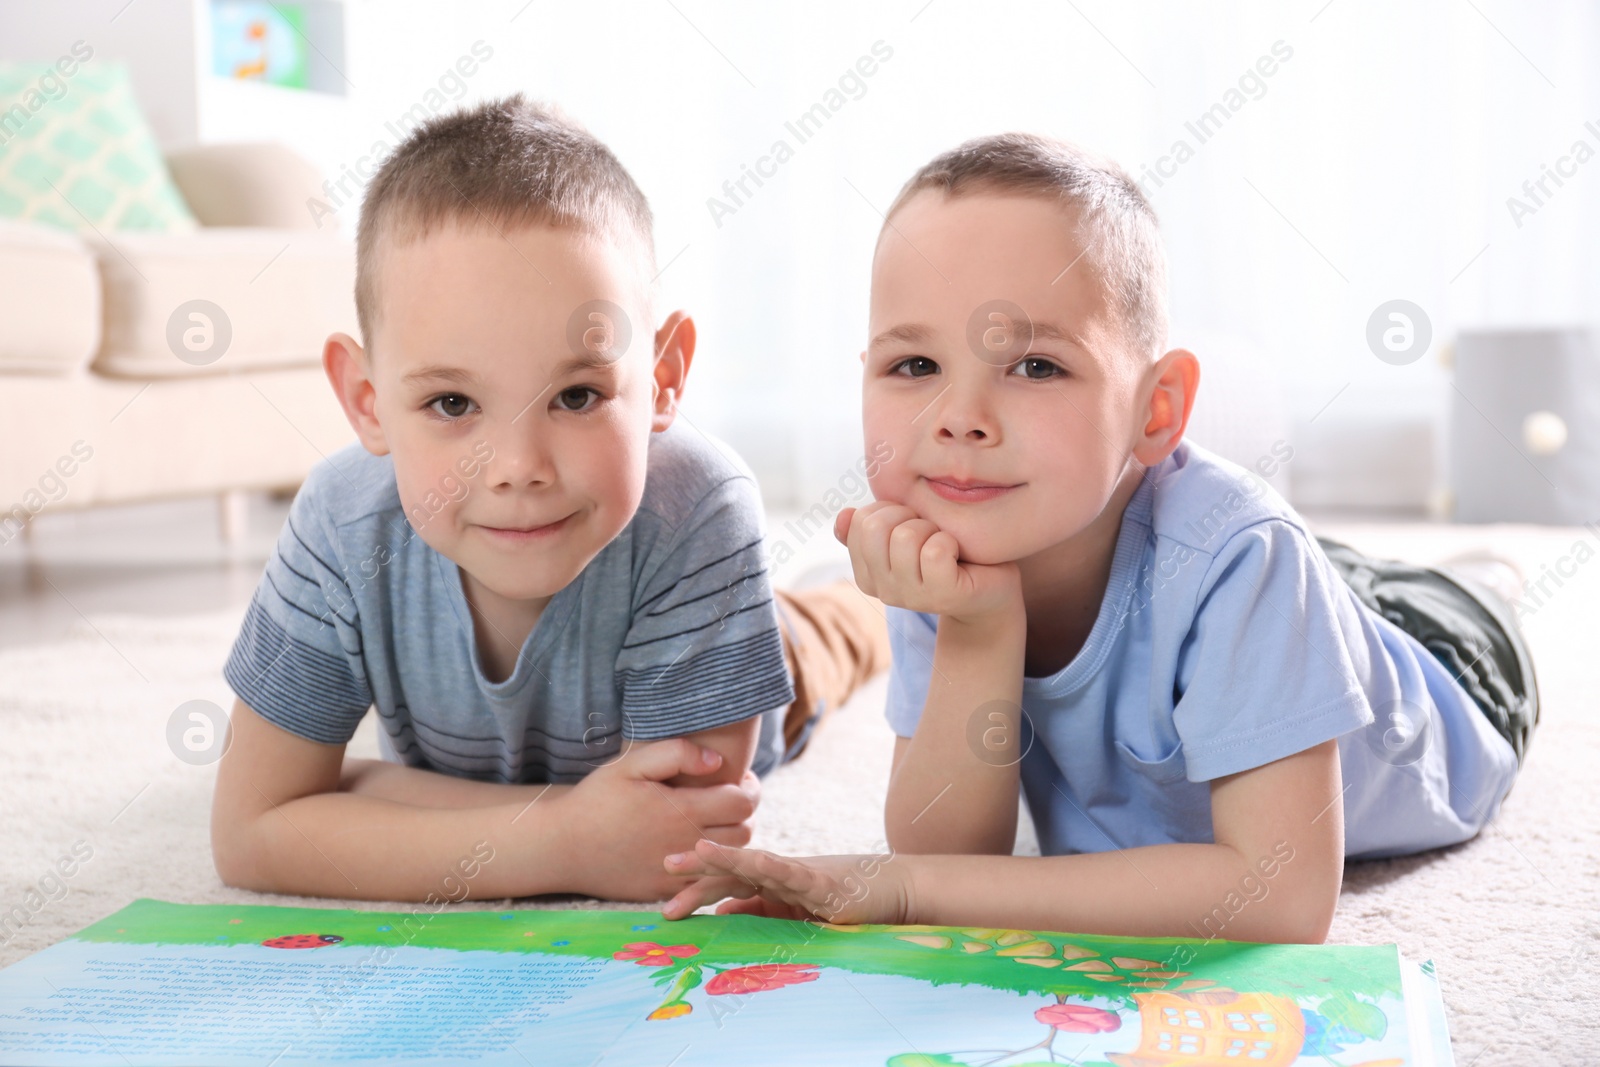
(834, 639)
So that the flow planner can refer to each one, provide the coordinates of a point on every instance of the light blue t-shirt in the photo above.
(1227, 640)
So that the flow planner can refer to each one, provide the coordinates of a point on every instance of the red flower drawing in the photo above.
(650, 954)
(761, 977)
(1078, 1018)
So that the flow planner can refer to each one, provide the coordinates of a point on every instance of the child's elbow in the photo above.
(1306, 919)
(1313, 931)
(1287, 927)
(232, 874)
(901, 841)
(231, 867)
(233, 854)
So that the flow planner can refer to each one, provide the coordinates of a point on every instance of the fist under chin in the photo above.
(982, 545)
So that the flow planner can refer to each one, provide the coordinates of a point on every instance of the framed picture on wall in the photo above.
(291, 45)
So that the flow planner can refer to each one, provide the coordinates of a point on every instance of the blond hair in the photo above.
(1116, 224)
(505, 164)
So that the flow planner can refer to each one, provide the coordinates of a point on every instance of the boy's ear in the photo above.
(346, 366)
(674, 353)
(1174, 379)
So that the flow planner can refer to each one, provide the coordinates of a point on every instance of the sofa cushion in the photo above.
(82, 440)
(52, 299)
(79, 154)
(265, 184)
(221, 300)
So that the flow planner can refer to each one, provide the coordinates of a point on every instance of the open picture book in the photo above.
(187, 984)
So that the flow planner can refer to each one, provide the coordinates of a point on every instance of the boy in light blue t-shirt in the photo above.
(1206, 709)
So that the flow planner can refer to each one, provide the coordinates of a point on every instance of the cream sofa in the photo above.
(112, 391)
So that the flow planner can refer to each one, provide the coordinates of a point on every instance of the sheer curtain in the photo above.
(1374, 162)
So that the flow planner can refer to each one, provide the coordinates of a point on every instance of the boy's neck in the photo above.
(500, 626)
(1065, 584)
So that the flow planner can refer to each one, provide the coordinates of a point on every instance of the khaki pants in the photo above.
(834, 639)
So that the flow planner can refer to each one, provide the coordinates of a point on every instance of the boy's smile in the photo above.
(1010, 435)
(518, 535)
(967, 491)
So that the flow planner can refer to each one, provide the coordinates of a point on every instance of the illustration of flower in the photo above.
(761, 977)
(679, 981)
(1078, 1018)
(671, 1010)
(650, 954)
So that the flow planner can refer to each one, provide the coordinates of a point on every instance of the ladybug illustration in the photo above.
(302, 941)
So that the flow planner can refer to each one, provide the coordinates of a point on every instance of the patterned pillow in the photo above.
(75, 152)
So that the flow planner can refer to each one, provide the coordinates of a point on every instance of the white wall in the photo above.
(155, 38)
(1376, 165)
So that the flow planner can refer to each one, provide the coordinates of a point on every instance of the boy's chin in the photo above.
(984, 548)
(998, 544)
(989, 559)
(522, 583)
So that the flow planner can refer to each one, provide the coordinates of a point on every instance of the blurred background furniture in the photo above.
(145, 364)
(1525, 427)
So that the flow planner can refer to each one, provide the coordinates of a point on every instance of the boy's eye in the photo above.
(451, 405)
(1036, 368)
(577, 398)
(915, 367)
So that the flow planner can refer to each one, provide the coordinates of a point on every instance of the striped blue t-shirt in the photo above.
(670, 629)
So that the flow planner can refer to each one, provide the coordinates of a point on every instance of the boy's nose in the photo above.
(964, 418)
(973, 434)
(520, 460)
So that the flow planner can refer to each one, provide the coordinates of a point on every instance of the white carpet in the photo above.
(1512, 919)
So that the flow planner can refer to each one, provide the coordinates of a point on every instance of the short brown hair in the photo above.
(1117, 223)
(506, 164)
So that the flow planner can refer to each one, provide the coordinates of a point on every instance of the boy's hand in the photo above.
(908, 562)
(623, 818)
(835, 889)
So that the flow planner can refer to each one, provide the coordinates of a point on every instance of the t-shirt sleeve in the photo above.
(297, 658)
(1266, 669)
(911, 640)
(703, 647)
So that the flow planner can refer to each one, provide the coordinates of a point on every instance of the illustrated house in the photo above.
(1214, 1027)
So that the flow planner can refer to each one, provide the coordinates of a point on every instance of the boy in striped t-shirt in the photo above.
(552, 591)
